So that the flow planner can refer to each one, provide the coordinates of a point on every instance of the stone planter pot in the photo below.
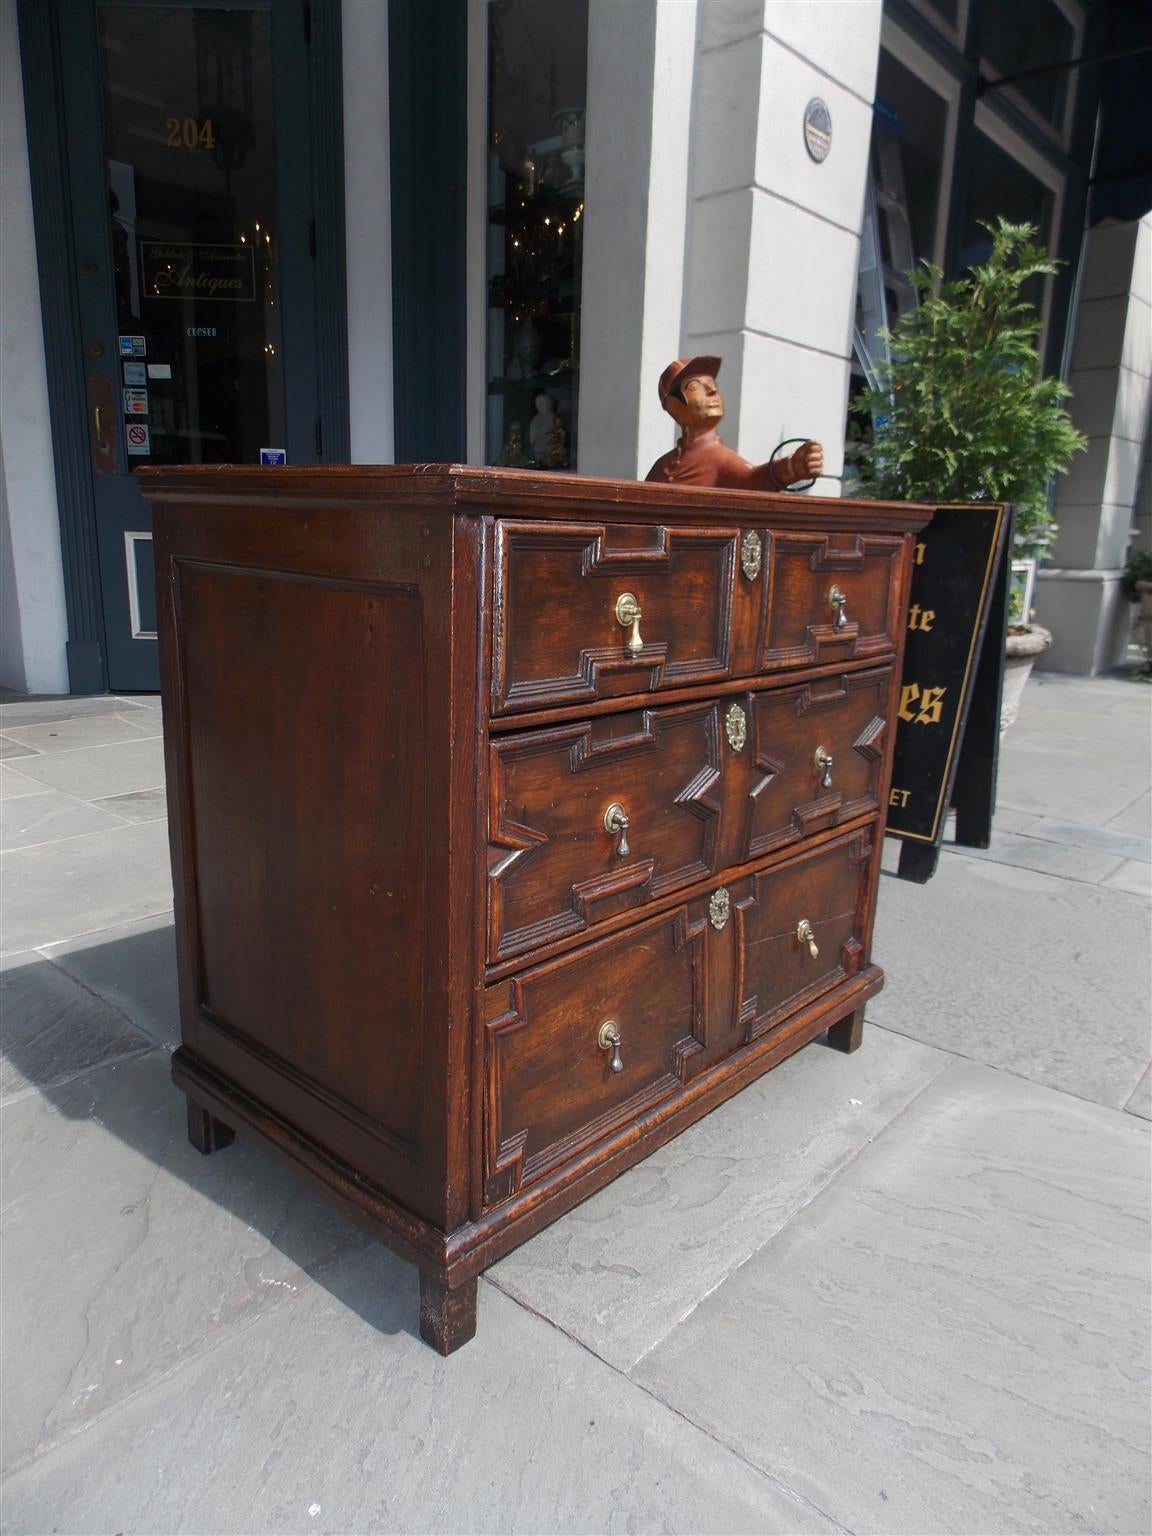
(1020, 653)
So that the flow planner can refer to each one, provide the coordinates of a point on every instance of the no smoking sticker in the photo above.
(139, 437)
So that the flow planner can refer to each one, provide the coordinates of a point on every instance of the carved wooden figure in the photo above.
(689, 394)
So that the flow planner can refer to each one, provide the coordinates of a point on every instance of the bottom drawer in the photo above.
(556, 1081)
(579, 1046)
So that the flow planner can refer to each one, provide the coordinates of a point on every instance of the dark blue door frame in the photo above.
(61, 87)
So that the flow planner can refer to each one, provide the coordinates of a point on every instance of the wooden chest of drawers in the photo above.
(516, 822)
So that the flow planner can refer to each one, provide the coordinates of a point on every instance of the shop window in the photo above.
(537, 85)
(1000, 187)
(910, 132)
(1019, 36)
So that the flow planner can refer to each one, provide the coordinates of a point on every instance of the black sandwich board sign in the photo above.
(948, 715)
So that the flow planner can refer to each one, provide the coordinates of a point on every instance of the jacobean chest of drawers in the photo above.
(516, 822)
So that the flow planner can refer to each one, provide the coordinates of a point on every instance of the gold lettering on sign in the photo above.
(921, 706)
(899, 798)
(920, 551)
(921, 618)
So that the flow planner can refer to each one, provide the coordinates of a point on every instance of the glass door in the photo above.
(188, 228)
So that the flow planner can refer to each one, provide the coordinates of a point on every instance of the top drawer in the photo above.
(830, 598)
(562, 631)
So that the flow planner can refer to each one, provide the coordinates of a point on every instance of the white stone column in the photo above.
(640, 69)
(34, 623)
(1079, 597)
(368, 227)
(773, 238)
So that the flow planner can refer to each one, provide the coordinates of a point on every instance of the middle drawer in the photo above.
(600, 816)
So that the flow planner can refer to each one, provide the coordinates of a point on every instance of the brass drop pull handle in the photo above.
(608, 1039)
(823, 761)
(628, 615)
(838, 601)
(804, 935)
(616, 821)
(101, 440)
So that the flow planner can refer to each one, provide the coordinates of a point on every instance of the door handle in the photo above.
(100, 414)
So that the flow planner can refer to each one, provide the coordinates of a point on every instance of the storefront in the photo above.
(388, 229)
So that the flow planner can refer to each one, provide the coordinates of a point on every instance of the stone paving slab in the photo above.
(1100, 839)
(94, 773)
(126, 1252)
(53, 1028)
(1141, 1101)
(141, 805)
(13, 749)
(1092, 695)
(953, 1337)
(1060, 777)
(50, 817)
(1043, 977)
(622, 1269)
(87, 731)
(1051, 858)
(13, 784)
(1133, 876)
(42, 711)
(329, 1416)
(109, 877)
(133, 968)
(1135, 818)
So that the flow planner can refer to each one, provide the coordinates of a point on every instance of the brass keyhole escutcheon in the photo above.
(838, 602)
(608, 1039)
(736, 727)
(751, 553)
(719, 906)
(628, 616)
(823, 761)
(616, 821)
(804, 935)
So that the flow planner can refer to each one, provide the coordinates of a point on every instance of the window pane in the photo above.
(908, 152)
(1000, 187)
(192, 200)
(538, 77)
(1018, 35)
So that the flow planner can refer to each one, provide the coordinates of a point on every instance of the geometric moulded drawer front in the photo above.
(828, 598)
(800, 930)
(565, 601)
(594, 818)
(576, 1047)
(815, 758)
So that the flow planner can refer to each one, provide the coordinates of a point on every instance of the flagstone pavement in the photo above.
(902, 1291)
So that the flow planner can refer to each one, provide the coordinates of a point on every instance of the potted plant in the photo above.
(960, 410)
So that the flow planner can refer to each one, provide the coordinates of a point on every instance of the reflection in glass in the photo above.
(191, 191)
(1021, 35)
(538, 75)
(999, 186)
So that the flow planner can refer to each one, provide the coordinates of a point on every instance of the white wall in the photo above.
(33, 629)
(367, 179)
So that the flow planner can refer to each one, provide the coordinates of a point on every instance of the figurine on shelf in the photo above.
(525, 351)
(540, 427)
(688, 393)
(556, 452)
(512, 455)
